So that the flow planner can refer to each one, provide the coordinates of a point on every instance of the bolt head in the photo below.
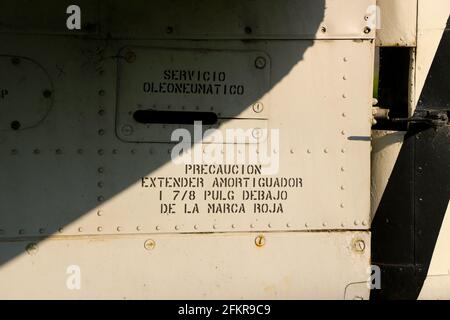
(127, 130)
(47, 93)
(257, 133)
(359, 245)
(15, 125)
(149, 244)
(15, 61)
(32, 248)
(258, 107)
(260, 62)
(260, 241)
(130, 56)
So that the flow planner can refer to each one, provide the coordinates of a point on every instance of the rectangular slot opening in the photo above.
(392, 86)
(174, 117)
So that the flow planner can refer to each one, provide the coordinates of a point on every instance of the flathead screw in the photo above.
(149, 244)
(258, 107)
(260, 63)
(260, 241)
(257, 133)
(130, 56)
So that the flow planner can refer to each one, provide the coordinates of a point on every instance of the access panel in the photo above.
(162, 89)
(188, 140)
(301, 164)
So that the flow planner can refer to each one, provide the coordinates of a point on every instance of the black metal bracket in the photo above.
(433, 118)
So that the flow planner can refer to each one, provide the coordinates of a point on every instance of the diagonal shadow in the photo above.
(66, 167)
(409, 218)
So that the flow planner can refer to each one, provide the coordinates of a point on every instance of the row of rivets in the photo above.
(325, 150)
(343, 133)
(100, 152)
(101, 132)
(129, 57)
(178, 227)
(366, 30)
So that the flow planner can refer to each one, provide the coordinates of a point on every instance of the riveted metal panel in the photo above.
(397, 23)
(235, 19)
(195, 19)
(228, 83)
(314, 266)
(76, 191)
(25, 93)
(324, 149)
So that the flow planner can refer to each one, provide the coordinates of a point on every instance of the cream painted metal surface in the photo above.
(324, 143)
(198, 19)
(431, 22)
(221, 266)
(288, 19)
(89, 196)
(386, 146)
(435, 288)
(398, 23)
